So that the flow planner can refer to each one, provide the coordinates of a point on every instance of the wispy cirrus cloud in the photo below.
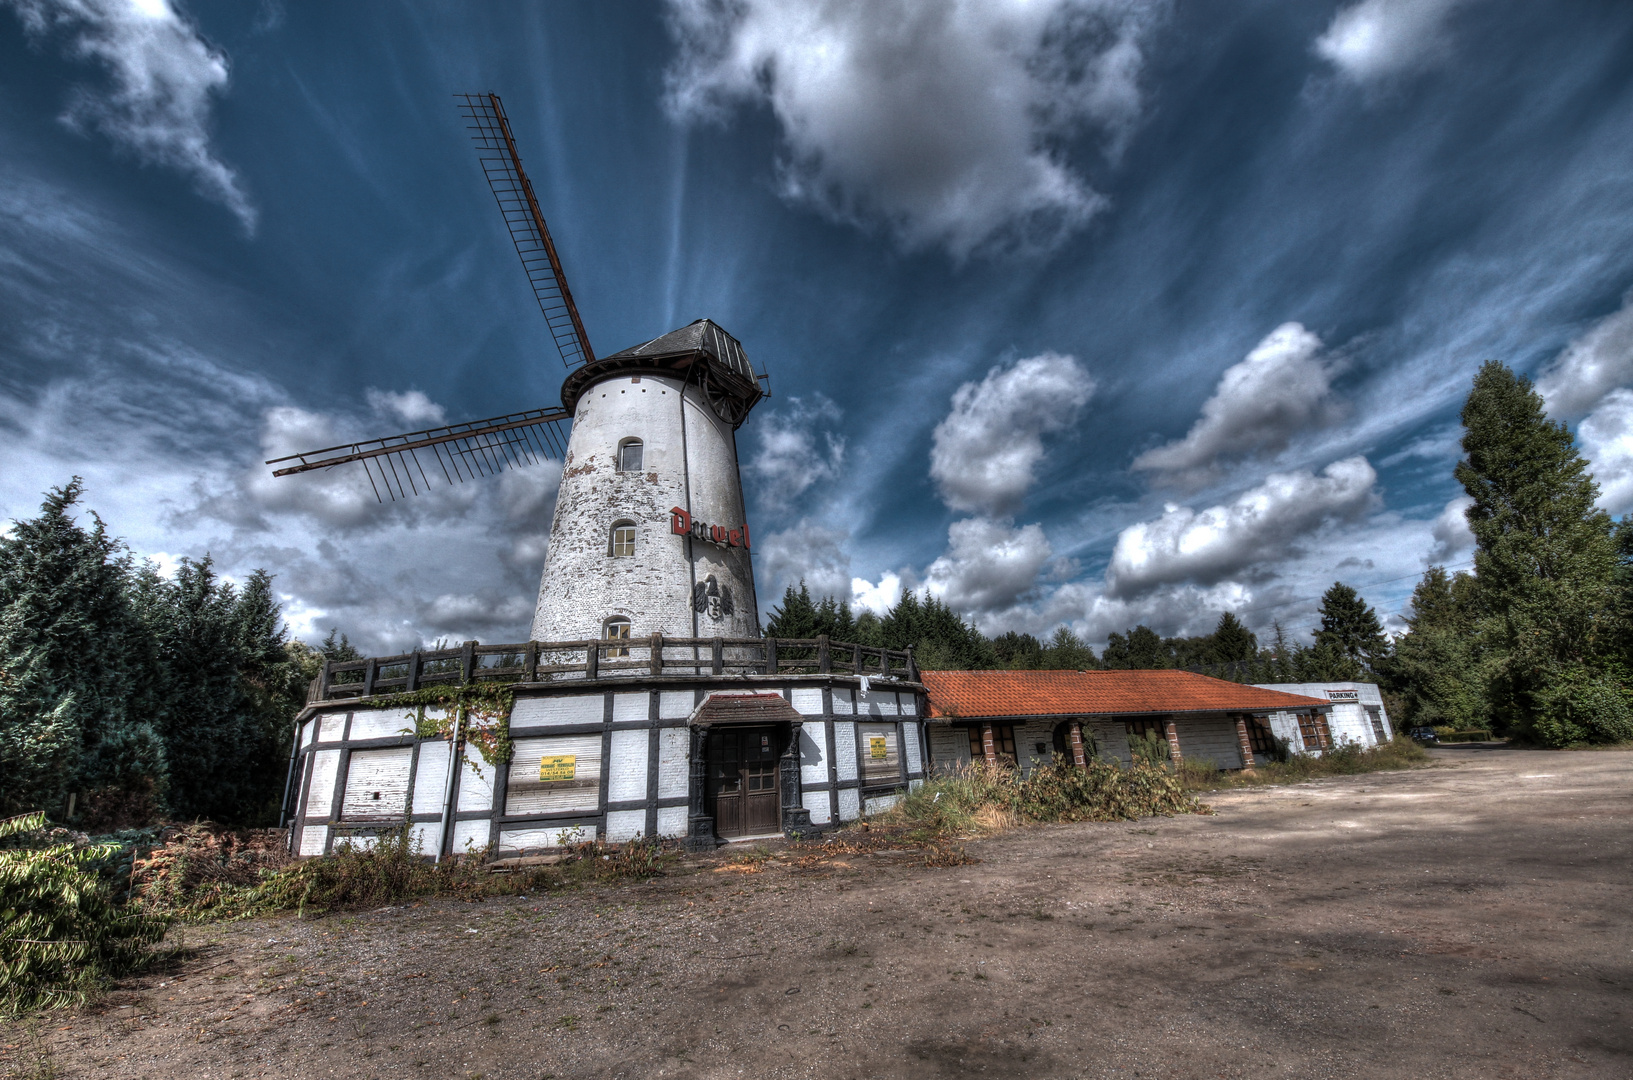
(162, 75)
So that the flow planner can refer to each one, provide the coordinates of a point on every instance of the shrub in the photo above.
(62, 937)
(1582, 707)
(983, 798)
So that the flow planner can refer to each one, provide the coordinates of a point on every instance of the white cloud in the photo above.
(793, 455)
(1261, 526)
(943, 121)
(985, 452)
(989, 565)
(162, 74)
(807, 551)
(1453, 539)
(877, 598)
(408, 407)
(1607, 441)
(1591, 366)
(1375, 40)
(1282, 388)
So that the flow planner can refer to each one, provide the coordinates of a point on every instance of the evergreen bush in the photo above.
(62, 936)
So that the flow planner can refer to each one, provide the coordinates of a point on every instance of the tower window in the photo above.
(623, 539)
(617, 630)
(629, 455)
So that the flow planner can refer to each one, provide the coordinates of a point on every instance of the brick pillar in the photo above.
(1244, 743)
(1173, 741)
(1078, 757)
(988, 749)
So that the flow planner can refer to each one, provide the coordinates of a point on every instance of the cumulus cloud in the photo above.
(1453, 539)
(1376, 40)
(162, 75)
(806, 552)
(1260, 526)
(878, 598)
(1591, 366)
(1282, 388)
(793, 454)
(945, 122)
(989, 565)
(1607, 441)
(985, 452)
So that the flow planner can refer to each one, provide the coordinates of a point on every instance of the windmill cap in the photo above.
(676, 353)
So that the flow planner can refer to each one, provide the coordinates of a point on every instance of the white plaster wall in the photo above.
(545, 711)
(813, 753)
(426, 836)
(331, 727)
(910, 743)
(880, 803)
(321, 792)
(807, 700)
(531, 839)
(849, 804)
(1348, 721)
(672, 821)
(625, 825)
(470, 836)
(313, 837)
(845, 749)
(582, 584)
(676, 704)
(626, 771)
(673, 751)
(431, 778)
(475, 783)
(818, 804)
(381, 724)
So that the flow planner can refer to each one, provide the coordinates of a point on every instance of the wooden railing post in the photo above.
(467, 662)
(856, 659)
(770, 667)
(592, 661)
(719, 656)
(413, 682)
(323, 680)
(656, 659)
(912, 668)
(825, 662)
(369, 673)
(530, 671)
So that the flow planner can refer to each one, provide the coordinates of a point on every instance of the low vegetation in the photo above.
(63, 937)
(1199, 774)
(981, 798)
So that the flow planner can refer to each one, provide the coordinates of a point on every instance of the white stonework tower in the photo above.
(650, 534)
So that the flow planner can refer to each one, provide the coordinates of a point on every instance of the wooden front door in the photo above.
(743, 790)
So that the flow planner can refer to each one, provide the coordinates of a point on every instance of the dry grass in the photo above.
(1346, 760)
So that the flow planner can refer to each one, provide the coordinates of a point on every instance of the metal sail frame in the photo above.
(502, 165)
(461, 451)
(481, 447)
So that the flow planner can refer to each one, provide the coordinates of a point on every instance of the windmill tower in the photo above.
(650, 535)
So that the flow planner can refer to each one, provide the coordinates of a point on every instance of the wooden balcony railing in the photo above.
(600, 660)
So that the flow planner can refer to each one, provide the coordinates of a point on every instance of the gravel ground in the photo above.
(1466, 920)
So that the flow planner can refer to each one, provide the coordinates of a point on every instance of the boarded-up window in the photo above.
(554, 775)
(1312, 728)
(377, 784)
(1260, 736)
(1378, 732)
(880, 754)
(1003, 743)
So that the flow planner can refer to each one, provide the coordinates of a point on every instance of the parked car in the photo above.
(1424, 734)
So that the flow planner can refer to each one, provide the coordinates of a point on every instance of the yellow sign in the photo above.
(876, 747)
(558, 767)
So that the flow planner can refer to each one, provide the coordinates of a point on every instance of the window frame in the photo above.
(1003, 743)
(623, 446)
(612, 539)
(1313, 730)
(608, 626)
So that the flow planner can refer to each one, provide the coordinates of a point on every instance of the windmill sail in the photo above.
(400, 465)
(496, 149)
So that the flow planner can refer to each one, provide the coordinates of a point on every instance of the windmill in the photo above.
(650, 533)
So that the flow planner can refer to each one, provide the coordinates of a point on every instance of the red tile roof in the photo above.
(963, 694)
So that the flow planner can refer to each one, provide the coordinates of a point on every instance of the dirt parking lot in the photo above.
(1473, 919)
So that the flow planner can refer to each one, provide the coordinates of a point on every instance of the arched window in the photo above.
(629, 455)
(622, 541)
(616, 629)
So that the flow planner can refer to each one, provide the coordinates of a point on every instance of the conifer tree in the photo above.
(72, 672)
(797, 615)
(1233, 643)
(1545, 564)
(1067, 652)
(1435, 667)
(1350, 637)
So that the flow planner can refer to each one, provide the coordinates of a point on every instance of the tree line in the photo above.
(1534, 642)
(132, 695)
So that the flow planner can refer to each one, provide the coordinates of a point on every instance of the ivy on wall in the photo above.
(485, 707)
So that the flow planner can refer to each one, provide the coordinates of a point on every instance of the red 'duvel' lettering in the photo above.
(680, 522)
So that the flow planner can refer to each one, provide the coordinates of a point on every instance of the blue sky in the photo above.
(1083, 312)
